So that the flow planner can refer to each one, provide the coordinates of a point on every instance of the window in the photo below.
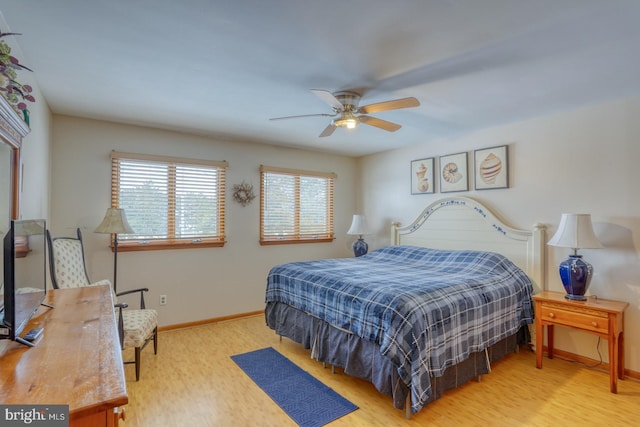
(295, 206)
(169, 202)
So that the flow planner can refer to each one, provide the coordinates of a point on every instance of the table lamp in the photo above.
(359, 227)
(576, 232)
(114, 222)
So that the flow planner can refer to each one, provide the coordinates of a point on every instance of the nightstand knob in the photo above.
(595, 324)
(552, 315)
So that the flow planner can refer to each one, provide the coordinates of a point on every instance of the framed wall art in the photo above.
(491, 168)
(422, 176)
(454, 173)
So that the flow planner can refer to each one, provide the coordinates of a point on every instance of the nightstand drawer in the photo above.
(576, 317)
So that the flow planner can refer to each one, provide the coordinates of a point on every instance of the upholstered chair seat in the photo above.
(137, 326)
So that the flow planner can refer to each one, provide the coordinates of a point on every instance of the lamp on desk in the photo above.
(114, 222)
(576, 232)
(358, 228)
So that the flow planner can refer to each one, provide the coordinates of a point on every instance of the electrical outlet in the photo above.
(163, 300)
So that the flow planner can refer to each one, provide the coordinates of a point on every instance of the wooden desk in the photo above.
(77, 362)
(601, 317)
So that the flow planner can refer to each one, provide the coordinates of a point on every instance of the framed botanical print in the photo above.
(422, 176)
(491, 168)
(454, 173)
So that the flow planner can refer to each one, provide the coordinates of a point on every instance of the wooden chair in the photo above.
(136, 328)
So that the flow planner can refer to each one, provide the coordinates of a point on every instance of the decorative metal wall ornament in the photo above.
(243, 193)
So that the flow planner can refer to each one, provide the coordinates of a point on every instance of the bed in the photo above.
(450, 295)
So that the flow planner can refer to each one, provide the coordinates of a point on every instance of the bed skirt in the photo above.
(362, 359)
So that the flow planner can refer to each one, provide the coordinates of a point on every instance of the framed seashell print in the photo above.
(492, 168)
(422, 176)
(454, 174)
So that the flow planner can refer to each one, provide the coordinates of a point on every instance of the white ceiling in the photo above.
(224, 67)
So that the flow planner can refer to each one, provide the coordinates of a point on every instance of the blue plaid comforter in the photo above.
(428, 309)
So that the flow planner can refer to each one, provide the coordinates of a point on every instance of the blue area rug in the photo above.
(305, 399)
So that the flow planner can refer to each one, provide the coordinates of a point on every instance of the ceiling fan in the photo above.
(349, 115)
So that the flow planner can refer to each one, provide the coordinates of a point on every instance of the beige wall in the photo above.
(582, 161)
(199, 283)
(34, 193)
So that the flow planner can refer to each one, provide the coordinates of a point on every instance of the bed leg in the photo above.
(324, 365)
(486, 353)
(280, 338)
(407, 406)
(333, 369)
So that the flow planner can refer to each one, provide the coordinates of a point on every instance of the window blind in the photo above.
(169, 201)
(295, 206)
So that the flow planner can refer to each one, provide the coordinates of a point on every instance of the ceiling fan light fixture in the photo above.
(347, 120)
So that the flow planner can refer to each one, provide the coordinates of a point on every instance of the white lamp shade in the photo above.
(114, 222)
(575, 231)
(359, 225)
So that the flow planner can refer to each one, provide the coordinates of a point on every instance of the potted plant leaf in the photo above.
(10, 88)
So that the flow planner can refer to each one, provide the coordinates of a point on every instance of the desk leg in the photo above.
(550, 341)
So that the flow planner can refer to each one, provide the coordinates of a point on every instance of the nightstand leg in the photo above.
(539, 341)
(621, 356)
(613, 363)
(550, 341)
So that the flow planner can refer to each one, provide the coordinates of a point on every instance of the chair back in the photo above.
(66, 261)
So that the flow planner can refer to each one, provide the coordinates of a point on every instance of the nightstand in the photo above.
(597, 316)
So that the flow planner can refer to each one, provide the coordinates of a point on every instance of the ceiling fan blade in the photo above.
(379, 123)
(304, 115)
(389, 105)
(328, 97)
(328, 130)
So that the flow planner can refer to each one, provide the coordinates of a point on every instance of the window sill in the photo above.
(167, 245)
(295, 241)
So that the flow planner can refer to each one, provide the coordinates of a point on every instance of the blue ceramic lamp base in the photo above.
(576, 276)
(360, 247)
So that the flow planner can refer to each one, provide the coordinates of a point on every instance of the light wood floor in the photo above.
(193, 382)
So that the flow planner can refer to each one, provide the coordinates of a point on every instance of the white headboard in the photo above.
(464, 223)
